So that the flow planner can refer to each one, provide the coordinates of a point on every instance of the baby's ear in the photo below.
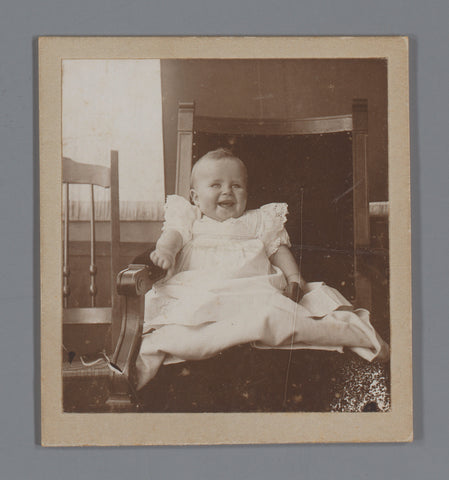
(194, 196)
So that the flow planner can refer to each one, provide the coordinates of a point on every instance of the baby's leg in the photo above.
(348, 326)
(339, 328)
(287, 324)
(384, 352)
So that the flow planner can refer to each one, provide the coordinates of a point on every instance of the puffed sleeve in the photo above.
(179, 216)
(271, 227)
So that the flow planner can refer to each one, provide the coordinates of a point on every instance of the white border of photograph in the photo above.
(74, 429)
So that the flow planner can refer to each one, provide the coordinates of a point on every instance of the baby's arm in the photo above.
(284, 259)
(168, 245)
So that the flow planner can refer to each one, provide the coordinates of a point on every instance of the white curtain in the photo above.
(115, 105)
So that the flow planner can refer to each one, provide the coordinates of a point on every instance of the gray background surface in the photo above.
(21, 21)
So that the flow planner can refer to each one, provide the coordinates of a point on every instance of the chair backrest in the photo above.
(106, 177)
(354, 123)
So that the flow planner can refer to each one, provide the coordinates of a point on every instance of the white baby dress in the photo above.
(224, 291)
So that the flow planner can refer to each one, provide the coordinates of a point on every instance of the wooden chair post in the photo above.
(66, 266)
(115, 246)
(360, 199)
(93, 266)
(185, 146)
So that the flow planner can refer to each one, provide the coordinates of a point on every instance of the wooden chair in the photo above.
(94, 371)
(354, 124)
(138, 278)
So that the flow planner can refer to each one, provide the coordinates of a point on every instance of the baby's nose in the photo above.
(227, 189)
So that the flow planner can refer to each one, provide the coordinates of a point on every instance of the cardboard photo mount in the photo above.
(103, 429)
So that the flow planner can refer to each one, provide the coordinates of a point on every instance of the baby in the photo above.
(218, 189)
(232, 279)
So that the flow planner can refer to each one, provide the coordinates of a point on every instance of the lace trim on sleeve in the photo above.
(272, 231)
(179, 216)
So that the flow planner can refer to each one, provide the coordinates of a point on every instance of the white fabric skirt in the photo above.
(194, 317)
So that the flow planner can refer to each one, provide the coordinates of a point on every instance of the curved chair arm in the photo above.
(137, 279)
(132, 284)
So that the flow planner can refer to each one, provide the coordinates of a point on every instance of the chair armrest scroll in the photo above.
(137, 279)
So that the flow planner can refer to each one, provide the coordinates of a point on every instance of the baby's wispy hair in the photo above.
(218, 154)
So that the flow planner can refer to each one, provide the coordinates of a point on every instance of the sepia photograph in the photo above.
(225, 232)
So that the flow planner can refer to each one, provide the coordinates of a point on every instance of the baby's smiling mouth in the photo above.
(226, 203)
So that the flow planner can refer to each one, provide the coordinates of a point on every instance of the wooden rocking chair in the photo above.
(95, 367)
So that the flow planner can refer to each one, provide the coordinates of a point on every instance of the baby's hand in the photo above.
(296, 289)
(162, 259)
(294, 292)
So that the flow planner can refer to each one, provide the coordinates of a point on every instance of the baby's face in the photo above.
(219, 189)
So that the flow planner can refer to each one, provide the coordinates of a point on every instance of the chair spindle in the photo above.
(66, 266)
(92, 267)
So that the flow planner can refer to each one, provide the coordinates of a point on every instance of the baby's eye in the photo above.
(215, 185)
(236, 185)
